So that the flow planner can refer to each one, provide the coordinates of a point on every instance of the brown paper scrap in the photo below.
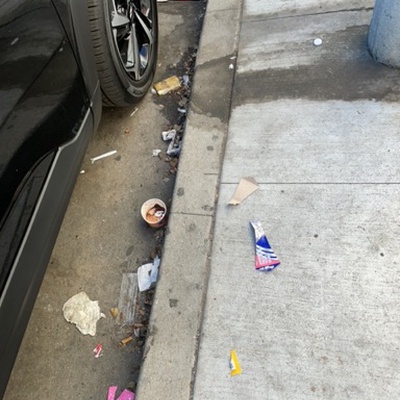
(246, 187)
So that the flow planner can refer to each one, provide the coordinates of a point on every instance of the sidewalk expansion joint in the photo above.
(192, 214)
(318, 183)
(311, 14)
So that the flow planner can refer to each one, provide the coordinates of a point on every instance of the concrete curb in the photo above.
(170, 358)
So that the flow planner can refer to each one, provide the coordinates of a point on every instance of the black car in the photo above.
(59, 61)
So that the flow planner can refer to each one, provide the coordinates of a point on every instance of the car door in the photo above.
(43, 101)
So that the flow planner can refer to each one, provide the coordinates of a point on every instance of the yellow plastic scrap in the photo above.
(114, 312)
(168, 85)
(236, 369)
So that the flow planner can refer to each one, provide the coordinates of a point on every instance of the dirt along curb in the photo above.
(170, 356)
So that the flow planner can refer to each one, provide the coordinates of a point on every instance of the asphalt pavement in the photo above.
(315, 123)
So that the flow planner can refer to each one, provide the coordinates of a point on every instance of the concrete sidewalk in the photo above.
(317, 127)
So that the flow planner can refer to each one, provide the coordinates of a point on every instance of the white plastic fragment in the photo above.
(134, 111)
(156, 152)
(82, 312)
(317, 42)
(148, 274)
(101, 156)
(168, 135)
(185, 80)
(182, 110)
(231, 66)
(173, 149)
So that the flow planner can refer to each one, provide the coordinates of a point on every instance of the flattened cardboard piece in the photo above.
(244, 189)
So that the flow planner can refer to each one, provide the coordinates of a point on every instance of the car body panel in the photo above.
(50, 105)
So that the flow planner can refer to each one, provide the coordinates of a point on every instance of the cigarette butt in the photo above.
(108, 154)
(125, 341)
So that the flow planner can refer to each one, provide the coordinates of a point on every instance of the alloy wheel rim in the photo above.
(132, 24)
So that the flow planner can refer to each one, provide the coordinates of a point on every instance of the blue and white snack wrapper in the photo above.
(266, 259)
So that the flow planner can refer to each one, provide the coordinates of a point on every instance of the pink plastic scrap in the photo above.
(126, 395)
(98, 351)
(112, 391)
(266, 259)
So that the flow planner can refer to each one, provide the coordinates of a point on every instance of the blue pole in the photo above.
(384, 33)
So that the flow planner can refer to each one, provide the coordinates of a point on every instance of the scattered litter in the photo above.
(233, 58)
(266, 260)
(134, 111)
(183, 102)
(168, 135)
(173, 148)
(114, 312)
(126, 395)
(148, 274)
(153, 91)
(231, 66)
(154, 212)
(108, 154)
(156, 152)
(182, 110)
(185, 80)
(83, 312)
(234, 364)
(162, 1)
(125, 341)
(98, 351)
(112, 391)
(15, 41)
(168, 85)
(127, 299)
(317, 42)
(82, 172)
(245, 188)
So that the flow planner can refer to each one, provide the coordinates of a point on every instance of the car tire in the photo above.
(125, 43)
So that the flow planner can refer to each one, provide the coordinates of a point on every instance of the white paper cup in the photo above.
(153, 221)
